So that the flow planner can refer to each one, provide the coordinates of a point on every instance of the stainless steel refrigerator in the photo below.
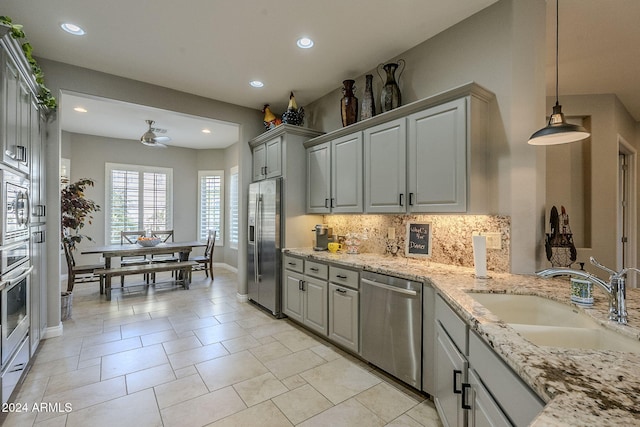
(263, 248)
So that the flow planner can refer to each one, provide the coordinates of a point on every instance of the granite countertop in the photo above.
(580, 387)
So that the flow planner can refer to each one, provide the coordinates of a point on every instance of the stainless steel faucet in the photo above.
(615, 289)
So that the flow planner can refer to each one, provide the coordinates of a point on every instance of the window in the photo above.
(210, 204)
(233, 209)
(140, 198)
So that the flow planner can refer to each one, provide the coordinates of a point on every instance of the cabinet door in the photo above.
(315, 305)
(484, 411)
(346, 174)
(451, 371)
(293, 305)
(36, 163)
(385, 167)
(343, 316)
(437, 160)
(319, 178)
(22, 153)
(11, 112)
(274, 158)
(259, 162)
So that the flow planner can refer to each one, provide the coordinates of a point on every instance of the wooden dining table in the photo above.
(111, 251)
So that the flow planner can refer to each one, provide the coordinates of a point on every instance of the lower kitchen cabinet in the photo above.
(344, 299)
(474, 387)
(315, 304)
(305, 296)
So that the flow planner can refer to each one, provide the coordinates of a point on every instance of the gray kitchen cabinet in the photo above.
(334, 176)
(9, 103)
(38, 289)
(343, 308)
(267, 159)
(385, 180)
(474, 387)
(437, 158)
(305, 295)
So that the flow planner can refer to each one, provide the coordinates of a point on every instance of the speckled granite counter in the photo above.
(581, 387)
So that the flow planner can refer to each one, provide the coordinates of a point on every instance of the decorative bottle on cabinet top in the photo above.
(348, 103)
(368, 103)
(390, 97)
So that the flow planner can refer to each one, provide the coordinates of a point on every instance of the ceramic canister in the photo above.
(581, 292)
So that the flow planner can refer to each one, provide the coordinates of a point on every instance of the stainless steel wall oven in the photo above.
(16, 207)
(14, 308)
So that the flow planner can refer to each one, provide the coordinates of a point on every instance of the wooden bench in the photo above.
(183, 268)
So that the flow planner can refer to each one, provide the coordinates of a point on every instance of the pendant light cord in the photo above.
(557, 38)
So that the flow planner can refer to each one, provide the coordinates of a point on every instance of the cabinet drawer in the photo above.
(516, 398)
(453, 325)
(316, 269)
(344, 277)
(13, 372)
(294, 264)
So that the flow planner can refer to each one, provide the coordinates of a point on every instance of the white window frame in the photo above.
(234, 207)
(110, 167)
(220, 234)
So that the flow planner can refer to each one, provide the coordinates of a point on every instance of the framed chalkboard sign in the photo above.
(418, 241)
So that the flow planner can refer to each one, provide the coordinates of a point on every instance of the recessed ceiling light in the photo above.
(72, 29)
(80, 110)
(256, 83)
(206, 131)
(305, 43)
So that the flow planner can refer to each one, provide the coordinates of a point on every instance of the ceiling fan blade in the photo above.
(153, 143)
(162, 139)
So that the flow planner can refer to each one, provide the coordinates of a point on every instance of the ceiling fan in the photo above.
(151, 139)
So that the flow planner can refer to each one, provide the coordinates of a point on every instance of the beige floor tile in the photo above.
(203, 410)
(264, 415)
(385, 401)
(302, 403)
(92, 340)
(145, 327)
(294, 381)
(259, 389)
(130, 361)
(148, 378)
(241, 343)
(348, 414)
(134, 410)
(112, 347)
(405, 420)
(231, 316)
(219, 333)
(426, 414)
(193, 324)
(326, 352)
(197, 355)
(85, 396)
(180, 390)
(53, 367)
(228, 370)
(294, 363)
(339, 379)
(270, 351)
(70, 380)
(270, 328)
(181, 344)
(295, 340)
(186, 371)
(158, 337)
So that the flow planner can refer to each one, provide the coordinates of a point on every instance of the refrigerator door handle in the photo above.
(258, 239)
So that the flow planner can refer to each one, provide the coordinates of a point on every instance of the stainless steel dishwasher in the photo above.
(391, 325)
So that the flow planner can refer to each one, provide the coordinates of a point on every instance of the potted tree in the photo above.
(76, 211)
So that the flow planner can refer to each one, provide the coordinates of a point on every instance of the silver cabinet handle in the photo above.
(340, 276)
(314, 269)
(342, 291)
(390, 288)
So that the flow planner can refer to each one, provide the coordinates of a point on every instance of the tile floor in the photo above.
(171, 357)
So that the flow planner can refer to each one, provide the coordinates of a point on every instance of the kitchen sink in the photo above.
(550, 323)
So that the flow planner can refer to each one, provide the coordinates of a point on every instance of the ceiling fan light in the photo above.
(558, 131)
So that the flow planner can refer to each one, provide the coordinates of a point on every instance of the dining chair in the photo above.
(206, 260)
(80, 273)
(164, 236)
(131, 237)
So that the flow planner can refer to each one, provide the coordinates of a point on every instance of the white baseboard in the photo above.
(226, 266)
(242, 297)
(53, 331)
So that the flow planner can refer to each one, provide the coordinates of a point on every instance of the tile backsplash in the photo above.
(450, 238)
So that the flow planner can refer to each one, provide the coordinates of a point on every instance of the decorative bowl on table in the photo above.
(148, 241)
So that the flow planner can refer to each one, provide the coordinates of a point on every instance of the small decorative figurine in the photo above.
(270, 119)
(293, 115)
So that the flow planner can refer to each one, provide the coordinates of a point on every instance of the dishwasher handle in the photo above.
(390, 288)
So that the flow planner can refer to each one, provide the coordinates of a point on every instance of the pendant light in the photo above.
(558, 131)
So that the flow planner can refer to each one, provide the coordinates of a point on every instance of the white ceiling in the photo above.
(214, 48)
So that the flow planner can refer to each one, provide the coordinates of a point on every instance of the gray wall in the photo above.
(64, 77)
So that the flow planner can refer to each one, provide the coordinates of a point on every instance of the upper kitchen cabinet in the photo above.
(425, 157)
(334, 176)
(279, 152)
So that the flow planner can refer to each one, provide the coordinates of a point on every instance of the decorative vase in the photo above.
(368, 103)
(348, 103)
(390, 97)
